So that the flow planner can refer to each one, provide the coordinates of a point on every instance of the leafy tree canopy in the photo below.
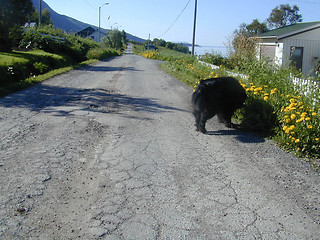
(284, 15)
(13, 14)
(45, 17)
(115, 39)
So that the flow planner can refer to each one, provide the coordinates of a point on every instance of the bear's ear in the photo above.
(202, 80)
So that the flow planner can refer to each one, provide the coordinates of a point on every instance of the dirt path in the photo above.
(110, 151)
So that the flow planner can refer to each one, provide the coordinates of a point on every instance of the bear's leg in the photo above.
(226, 117)
(204, 117)
(197, 115)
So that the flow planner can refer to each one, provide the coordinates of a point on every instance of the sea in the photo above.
(201, 50)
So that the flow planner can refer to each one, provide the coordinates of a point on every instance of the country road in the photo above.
(110, 151)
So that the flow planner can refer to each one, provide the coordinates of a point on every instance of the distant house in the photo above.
(92, 33)
(30, 25)
(88, 32)
(298, 43)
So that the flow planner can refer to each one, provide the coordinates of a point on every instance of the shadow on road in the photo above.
(62, 101)
(241, 136)
(94, 68)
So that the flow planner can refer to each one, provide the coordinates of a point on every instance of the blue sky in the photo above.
(216, 20)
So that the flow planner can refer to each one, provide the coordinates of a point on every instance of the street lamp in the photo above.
(40, 14)
(100, 18)
(194, 28)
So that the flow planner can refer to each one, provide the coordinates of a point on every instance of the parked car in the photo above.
(149, 47)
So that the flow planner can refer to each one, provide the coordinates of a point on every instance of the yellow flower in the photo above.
(266, 98)
(285, 128)
(297, 140)
(292, 127)
(310, 126)
(273, 91)
(293, 116)
(308, 119)
(317, 139)
(314, 114)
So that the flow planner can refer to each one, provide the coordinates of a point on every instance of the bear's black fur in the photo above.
(221, 96)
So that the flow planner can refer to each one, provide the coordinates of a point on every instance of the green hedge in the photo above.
(17, 66)
(54, 40)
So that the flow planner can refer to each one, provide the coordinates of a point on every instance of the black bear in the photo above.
(221, 96)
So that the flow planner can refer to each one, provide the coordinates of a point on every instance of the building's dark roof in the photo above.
(290, 30)
(86, 32)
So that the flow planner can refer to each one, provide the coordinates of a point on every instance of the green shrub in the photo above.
(102, 53)
(18, 66)
(258, 116)
(40, 67)
(215, 59)
(55, 41)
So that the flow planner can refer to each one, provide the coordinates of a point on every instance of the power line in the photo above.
(90, 5)
(175, 19)
(305, 2)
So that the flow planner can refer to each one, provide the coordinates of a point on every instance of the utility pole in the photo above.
(194, 28)
(40, 15)
(100, 20)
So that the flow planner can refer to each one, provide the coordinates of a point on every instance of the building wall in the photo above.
(279, 50)
(311, 52)
(272, 51)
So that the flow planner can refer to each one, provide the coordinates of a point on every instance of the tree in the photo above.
(284, 15)
(252, 29)
(159, 42)
(256, 27)
(115, 39)
(242, 47)
(45, 17)
(13, 14)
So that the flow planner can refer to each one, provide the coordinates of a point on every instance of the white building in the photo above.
(298, 43)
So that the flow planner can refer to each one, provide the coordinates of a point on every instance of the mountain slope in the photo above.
(70, 24)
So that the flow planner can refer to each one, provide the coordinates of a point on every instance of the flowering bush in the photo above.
(101, 53)
(300, 126)
(151, 55)
(258, 114)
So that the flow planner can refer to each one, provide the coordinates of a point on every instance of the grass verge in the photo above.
(20, 70)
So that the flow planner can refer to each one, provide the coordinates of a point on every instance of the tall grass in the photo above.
(277, 107)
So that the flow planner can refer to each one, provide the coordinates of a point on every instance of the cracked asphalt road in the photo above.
(110, 151)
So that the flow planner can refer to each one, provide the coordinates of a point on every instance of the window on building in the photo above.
(296, 56)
